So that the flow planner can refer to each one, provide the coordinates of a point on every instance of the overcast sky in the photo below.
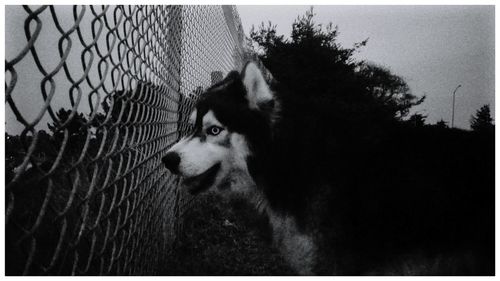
(435, 48)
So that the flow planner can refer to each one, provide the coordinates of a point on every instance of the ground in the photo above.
(224, 237)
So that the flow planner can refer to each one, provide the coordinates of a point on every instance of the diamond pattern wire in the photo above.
(98, 94)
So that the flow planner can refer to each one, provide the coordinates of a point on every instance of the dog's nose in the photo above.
(171, 161)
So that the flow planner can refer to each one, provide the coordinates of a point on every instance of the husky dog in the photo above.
(322, 222)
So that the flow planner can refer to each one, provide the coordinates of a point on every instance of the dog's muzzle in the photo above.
(202, 181)
(171, 161)
(194, 184)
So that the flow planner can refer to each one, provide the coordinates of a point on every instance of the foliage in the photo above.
(417, 120)
(223, 236)
(482, 121)
(73, 121)
(441, 124)
(314, 65)
(389, 89)
(311, 55)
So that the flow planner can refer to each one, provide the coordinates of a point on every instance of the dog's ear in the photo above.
(259, 95)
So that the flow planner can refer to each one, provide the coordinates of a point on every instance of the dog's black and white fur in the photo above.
(323, 222)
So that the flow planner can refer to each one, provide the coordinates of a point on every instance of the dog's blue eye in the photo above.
(214, 130)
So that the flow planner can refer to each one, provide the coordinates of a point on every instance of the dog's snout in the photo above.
(171, 161)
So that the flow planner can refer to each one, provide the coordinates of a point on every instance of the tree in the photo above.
(75, 126)
(314, 65)
(441, 124)
(417, 120)
(311, 59)
(389, 89)
(482, 121)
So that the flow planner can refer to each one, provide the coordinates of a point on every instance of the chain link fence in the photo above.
(95, 97)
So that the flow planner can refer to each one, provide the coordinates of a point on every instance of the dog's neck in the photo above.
(297, 248)
(260, 202)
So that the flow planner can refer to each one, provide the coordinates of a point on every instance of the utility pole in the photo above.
(453, 108)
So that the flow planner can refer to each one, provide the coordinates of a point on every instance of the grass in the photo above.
(224, 237)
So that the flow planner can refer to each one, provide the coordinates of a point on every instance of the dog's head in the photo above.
(231, 121)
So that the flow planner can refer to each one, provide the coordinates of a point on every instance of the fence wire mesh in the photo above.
(95, 96)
